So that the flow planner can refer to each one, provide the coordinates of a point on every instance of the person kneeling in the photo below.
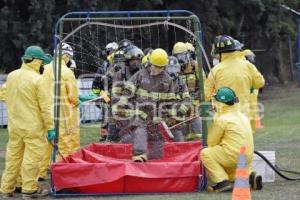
(230, 130)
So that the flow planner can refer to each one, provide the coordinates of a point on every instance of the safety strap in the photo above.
(155, 95)
(188, 77)
(116, 90)
(129, 112)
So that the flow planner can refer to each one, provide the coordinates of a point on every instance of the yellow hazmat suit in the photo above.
(253, 109)
(235, 72)
(230, 130)
(3, 92)
(69, 131)
(29, 118)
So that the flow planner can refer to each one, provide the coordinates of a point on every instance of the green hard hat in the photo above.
(35, 52)
(48, 59)
(226, 95)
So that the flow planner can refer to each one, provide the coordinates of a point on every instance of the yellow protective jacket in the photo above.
(69, 93)
(231, 129)
(28, 109)
(3, 92)
(235, 72)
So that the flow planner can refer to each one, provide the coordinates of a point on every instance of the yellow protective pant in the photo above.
(219, 165)
(66, 148)
(45, 162)
(68, 141)
(75, 130)
(253, 110)
(23, 154)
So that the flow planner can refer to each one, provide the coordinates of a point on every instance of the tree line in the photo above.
(262, 25)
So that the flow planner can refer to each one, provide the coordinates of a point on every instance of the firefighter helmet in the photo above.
(123, 44)
(179, 47)
(225, 43)
(133, 52)
(112, 46)
(190, 47)
(159, 58)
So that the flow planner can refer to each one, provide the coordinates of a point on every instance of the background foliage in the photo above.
(261, 25)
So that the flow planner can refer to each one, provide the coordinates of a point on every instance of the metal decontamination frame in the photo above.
(102, 18)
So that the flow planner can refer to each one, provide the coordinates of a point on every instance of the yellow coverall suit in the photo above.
(69, 131)
(230, 130)
(253, 109)
(3, 92)
(29, 118)
(235, 72)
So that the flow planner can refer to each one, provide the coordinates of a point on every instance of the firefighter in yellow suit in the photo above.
(2, 92)
(233, 71)
(250, 56)
(69, 131)
(230, 130)
(29, 118)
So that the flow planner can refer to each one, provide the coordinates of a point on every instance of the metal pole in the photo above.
(291, 59)
(298, 51)
(57, 86)
(203, 109)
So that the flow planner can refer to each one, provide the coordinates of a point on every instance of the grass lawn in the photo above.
(281, 133)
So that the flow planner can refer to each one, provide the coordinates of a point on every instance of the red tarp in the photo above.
(107, 168)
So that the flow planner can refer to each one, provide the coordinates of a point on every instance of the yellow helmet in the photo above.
(248, 52)
(190, 47)
(159, 58)
(179, 47)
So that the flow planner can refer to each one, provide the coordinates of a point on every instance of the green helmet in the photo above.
(48, 59)
(226, 95)
(35, 52)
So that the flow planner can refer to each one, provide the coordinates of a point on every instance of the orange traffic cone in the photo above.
(241, 190)
(258, 124)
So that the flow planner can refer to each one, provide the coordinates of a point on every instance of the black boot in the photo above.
(255, 181)
(223, 186)
(18, 190)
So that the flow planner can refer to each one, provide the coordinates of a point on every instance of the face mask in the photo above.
(215, 61)
(182, 58)
(134, 66)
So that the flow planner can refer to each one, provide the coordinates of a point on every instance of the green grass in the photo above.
(281, 133)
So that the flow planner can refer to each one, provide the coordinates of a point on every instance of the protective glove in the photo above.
(86, 97)
(251, 90)
(51, 135)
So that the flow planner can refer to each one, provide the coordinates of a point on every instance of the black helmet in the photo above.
(133, 52)
(123, 44)
(148, 50)
(225, 43)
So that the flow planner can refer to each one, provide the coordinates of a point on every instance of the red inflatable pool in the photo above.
(107, 168)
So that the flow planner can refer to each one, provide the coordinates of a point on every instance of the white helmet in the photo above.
(113, 46)
(67, 49)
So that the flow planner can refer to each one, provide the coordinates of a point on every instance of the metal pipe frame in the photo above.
(120, 15)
